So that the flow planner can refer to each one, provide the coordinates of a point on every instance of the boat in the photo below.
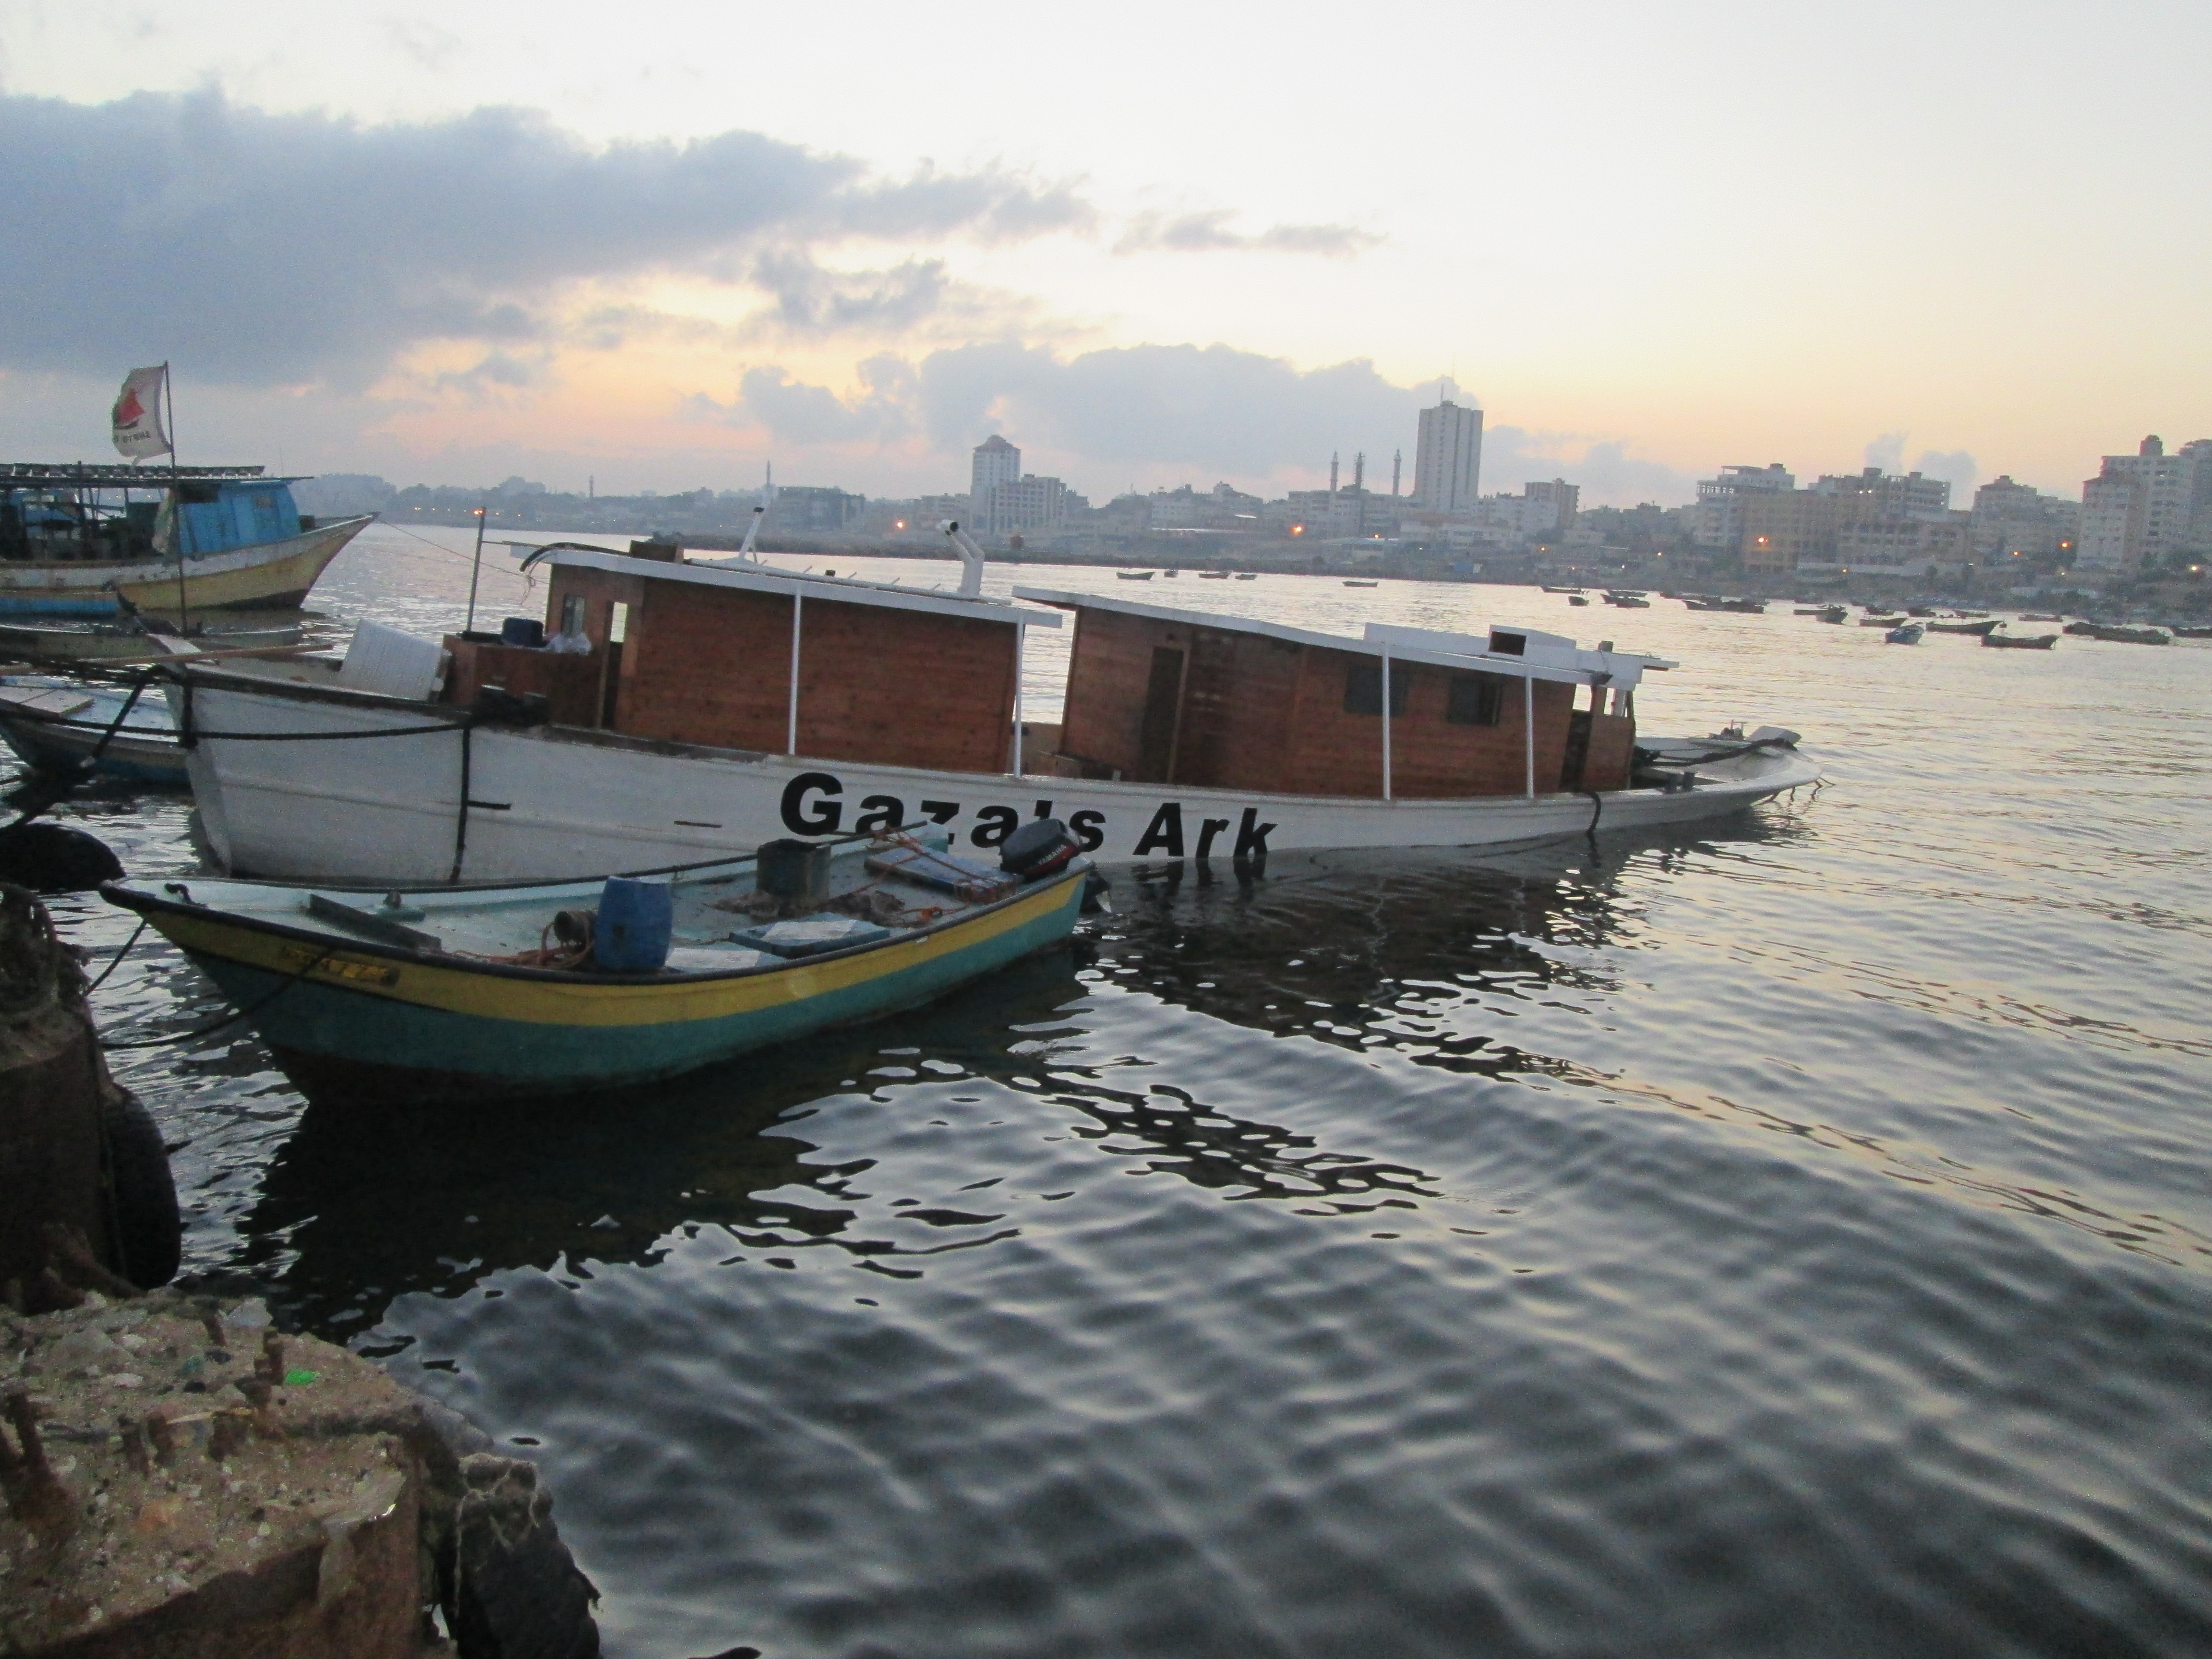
(1248, 576)
(74, 537)
(1810, 610)
(2191, 632)
(1135, 575)
(2124, 633)
(2020, 641)
(1748, 607)
(1961, 626)
(538, 989)
(1213, 576)
(58, 725)
(1908, 634)
(1548, 588)
(1838, 614)
(1577, 599)
(91, 641)
(1351, 581)
(1882, 622)
(1171, 573)
(2043, 616)
(724, 704)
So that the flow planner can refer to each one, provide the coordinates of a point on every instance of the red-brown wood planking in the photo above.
(712, 665)
(569, 685)
(1259, 712)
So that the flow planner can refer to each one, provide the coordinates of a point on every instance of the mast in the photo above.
(475, 570)
(176, 500)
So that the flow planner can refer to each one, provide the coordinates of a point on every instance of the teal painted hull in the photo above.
(334, 1040)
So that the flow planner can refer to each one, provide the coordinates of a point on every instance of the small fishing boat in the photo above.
(2192, 633)
(1247, 575)
(2043, 616)
(2124, 633)
(1577, 599)
(1349, 581)
(1810, 610)
(542, 989)
(1882, 621)
(1961, 627)
(1171, 573)
(1213, 576)
(1748, 607)
(1838, 614)
(1908, 634)
(58, 725)
(1135, 575)
(2020, 641)
(90, 641)
(1548, 588)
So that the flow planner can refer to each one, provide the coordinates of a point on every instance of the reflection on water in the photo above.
(1784, 1235)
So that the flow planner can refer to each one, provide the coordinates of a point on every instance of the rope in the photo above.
(116, 960)
(246, 1012)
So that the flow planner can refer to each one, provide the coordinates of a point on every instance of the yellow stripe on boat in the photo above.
(466, 988)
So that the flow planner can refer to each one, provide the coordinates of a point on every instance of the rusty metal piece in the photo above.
(36, 1496)
(162, 1434)
(226, 1433)
(271, 1366)
(135, 1455)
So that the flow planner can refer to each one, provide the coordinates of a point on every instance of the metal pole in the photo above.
(176, 496)
(1386, 722)
(475, 571)
(1021, 630)
(1528, 730)
(791, 739)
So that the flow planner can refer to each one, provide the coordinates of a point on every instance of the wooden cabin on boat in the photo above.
(734, 655)
(1169, 697)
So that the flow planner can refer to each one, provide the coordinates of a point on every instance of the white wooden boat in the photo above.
(723, 705)
(58, 725)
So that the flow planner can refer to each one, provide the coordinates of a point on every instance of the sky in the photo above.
(659, 245)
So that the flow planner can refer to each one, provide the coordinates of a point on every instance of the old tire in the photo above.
(149, 1231)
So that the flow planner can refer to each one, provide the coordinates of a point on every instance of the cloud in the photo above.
(1955, 467)
(1609, 474)
(1887, 452)
(1209, 232)
(797, 413)
(270, 249)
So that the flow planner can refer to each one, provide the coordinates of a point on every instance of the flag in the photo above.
(139, 431)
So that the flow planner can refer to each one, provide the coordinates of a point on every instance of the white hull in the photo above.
(558, 804)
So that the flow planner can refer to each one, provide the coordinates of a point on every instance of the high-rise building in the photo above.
(1890, 494)
(1550, 506)
(2145, 506)
(1448, 458)
(1717, 526)
(996, 462)
(2015, 521)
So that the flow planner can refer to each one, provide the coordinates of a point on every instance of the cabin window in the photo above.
(1502, 644)
(1363, 690)
(572, 614)
(1475, 699)
(617, 622)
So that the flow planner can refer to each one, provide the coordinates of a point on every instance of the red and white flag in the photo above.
(139, 431)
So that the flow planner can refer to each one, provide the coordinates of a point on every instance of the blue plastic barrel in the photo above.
(522, 630)
(635, 916)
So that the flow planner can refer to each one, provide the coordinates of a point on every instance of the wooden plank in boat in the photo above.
(50, 701)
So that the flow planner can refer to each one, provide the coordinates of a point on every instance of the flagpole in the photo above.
(475, 571)
(177, 501)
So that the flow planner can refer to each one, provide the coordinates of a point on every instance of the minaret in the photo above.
(1397, 461)
(1332, 477)
(1359, 470)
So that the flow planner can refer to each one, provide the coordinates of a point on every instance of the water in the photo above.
(1788, 1238)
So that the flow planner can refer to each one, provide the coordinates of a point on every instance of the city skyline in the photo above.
(1691, 243)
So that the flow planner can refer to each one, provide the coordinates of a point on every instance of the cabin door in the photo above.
(1578, 757)
(1156, 738)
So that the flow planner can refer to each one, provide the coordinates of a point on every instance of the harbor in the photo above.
(1427, 1185)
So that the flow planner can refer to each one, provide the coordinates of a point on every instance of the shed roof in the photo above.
(1404, 644)
(746, 576)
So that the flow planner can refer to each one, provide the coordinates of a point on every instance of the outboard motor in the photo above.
(1039, 849)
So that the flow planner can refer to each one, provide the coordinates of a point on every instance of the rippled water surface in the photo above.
(1787, 1238)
